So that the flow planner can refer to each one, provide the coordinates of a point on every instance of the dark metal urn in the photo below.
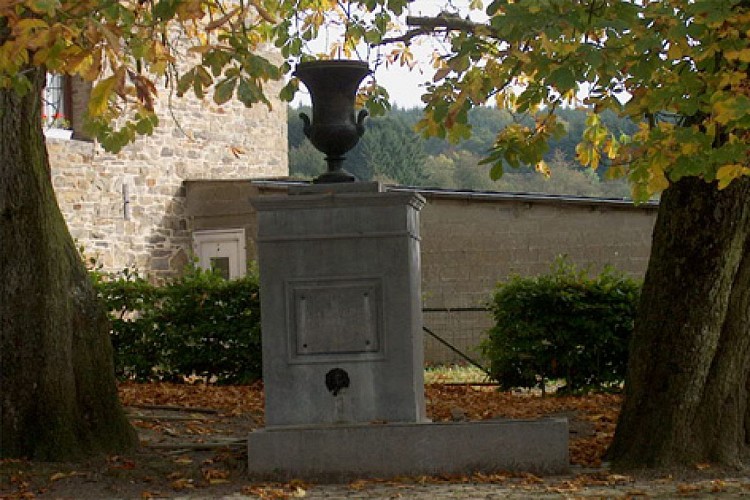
(334, 129)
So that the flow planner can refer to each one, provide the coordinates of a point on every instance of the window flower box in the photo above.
(58, 133)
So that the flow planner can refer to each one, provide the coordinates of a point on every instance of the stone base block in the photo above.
(339, 453)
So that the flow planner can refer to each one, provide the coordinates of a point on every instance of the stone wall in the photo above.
(127, 209)
(470, 241)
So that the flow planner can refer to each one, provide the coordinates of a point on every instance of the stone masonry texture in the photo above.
(202, 141)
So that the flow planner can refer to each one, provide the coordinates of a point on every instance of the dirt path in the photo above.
(194, 447)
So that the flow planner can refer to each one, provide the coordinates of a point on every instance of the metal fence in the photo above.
(462, 328)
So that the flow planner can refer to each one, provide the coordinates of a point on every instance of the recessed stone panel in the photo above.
(335, 319)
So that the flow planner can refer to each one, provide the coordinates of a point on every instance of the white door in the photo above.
(222, 250)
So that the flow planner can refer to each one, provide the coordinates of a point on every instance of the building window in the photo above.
(222, 251)
(56, 101)
(222, 266)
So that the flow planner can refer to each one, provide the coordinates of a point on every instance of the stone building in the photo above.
(128, 209)
(184, 193)
(469, 242)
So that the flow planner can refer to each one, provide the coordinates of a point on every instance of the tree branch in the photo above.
(406, 37)
(443, 21)
(447, 21)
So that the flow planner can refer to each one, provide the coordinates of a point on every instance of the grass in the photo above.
(442, 374)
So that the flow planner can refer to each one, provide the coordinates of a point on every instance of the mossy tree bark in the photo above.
(687, 382)
(58, 398)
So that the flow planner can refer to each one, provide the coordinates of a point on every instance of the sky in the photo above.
(405, 87)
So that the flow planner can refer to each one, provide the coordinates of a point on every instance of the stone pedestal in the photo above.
(341, 312)
(342, 350)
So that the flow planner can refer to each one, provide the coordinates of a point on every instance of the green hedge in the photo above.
(197, 325)
(562, 325)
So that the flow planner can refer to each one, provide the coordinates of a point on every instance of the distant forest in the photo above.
(393, 153)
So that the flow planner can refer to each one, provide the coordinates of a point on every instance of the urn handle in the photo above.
(306, 128)
(361, 121)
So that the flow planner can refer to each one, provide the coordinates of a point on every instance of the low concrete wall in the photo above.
(470, 241)
(332, 454)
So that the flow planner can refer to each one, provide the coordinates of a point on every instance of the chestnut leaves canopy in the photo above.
(677, 67)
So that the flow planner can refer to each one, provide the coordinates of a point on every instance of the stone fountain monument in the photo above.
(342, 327)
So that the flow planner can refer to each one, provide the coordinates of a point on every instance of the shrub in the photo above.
(562, 325)
(197, 325)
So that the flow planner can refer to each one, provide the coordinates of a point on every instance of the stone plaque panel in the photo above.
(335, 319)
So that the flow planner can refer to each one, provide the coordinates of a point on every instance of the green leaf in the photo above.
(563, 79)
(185, 82)
(224, 90)
(47, 7)
(248, 92)
(290, 89)
(144, 126)
(165, 9)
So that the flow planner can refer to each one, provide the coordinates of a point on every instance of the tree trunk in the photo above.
(58, 398)
(687, 382)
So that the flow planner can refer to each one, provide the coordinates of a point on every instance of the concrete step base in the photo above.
(339, 453)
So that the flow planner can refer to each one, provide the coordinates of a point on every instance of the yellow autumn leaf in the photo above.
(100, 94)
(159, 68)
(726, 174)
(742, 55)
(657, 181)
(674, 52)
(731, 78)
(543, 169)
(725, 110)
(612, 147)
(91, 69)
(26, 25)
(588, 155)
(689, 148)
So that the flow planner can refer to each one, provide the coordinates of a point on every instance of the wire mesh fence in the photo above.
(462, 327)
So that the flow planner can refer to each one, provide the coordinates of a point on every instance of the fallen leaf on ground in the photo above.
(599, 411)
(182, 484)
(62, 475)
(618, 478)
(214, 474)
(717, 486)
(685, 489)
